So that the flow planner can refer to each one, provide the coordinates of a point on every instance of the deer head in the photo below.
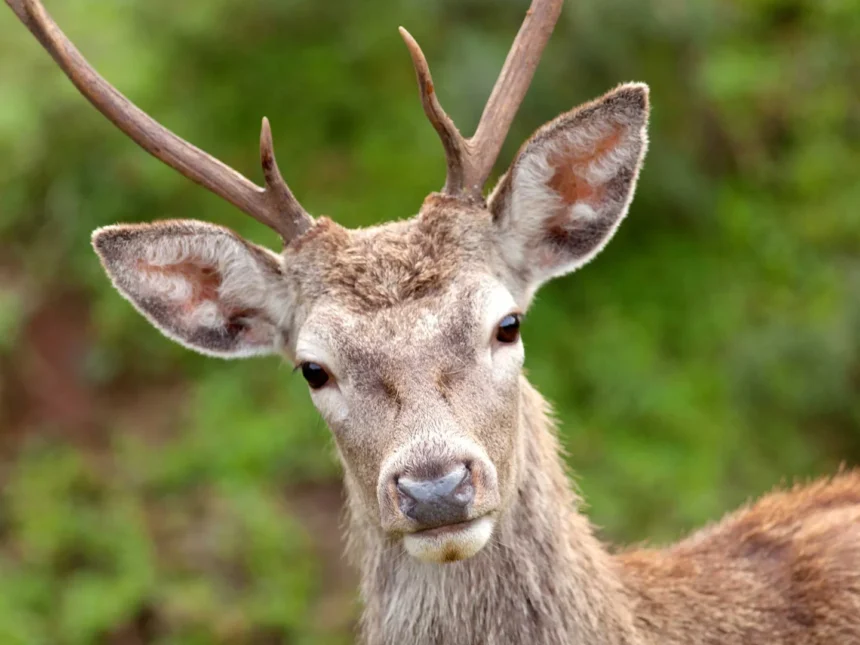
(407, 333)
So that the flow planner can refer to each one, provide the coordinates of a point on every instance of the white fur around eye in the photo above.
(331, 403)
(499, 303)
(506, 359)
(330, 399)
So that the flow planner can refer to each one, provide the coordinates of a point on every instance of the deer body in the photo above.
(783, 572)
(461, 518)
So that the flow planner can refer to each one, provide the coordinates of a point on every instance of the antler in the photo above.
(275, 205)
(470, 161)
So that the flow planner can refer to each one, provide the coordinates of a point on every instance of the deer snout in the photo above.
(441, 493)
(439, 501)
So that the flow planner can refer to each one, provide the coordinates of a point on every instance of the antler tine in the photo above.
(293, 220)
(470, 161)
(452, 141)
(273, 206)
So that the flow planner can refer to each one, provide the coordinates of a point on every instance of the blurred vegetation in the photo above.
(150, 495)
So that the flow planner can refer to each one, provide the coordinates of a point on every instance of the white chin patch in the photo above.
(450, 543)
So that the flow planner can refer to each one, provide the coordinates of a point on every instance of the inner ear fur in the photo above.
(570, 186)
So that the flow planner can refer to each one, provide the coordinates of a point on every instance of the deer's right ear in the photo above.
(569, 187)
(200, 284)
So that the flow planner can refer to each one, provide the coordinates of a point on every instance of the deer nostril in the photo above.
(437, 502)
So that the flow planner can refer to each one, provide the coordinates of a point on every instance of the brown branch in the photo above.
(470, 161)
(452, 140)
(273, 206)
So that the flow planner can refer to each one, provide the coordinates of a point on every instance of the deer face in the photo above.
(407, 333)
(413, 357)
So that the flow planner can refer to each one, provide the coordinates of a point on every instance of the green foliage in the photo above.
(93, 548)
(711, 351)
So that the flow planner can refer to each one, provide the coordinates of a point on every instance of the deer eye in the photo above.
(508, 330)
(315, 374)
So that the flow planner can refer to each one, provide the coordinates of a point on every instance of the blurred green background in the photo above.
(150, 495)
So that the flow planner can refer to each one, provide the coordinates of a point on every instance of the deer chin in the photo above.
(450, 543)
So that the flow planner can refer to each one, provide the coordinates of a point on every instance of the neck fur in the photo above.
(544, 579)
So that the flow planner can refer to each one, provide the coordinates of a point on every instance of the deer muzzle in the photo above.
(443, 506)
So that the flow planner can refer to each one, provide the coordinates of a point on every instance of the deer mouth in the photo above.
(450, 543)
(448, 528)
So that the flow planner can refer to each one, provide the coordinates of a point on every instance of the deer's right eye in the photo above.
(508, 330)
(315, 374)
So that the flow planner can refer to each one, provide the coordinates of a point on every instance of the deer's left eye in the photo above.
(508, 330)
(315, 374)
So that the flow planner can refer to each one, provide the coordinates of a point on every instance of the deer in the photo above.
(460, 514)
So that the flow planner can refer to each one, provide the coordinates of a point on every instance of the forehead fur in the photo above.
(380, 267)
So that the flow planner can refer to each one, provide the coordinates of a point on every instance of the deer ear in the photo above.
(569, 187)
(200, 284)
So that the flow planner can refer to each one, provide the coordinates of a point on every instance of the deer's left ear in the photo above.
(200, 284)
(569, 187)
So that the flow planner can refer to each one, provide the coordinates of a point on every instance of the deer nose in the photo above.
(437, 502)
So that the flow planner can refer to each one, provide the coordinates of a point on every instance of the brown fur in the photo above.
(785, 571)
(569, 166)
(405, 315)
(380, 267)
(205, 280)
(544, 579)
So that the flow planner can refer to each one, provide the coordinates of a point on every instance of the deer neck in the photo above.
(544, 578)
